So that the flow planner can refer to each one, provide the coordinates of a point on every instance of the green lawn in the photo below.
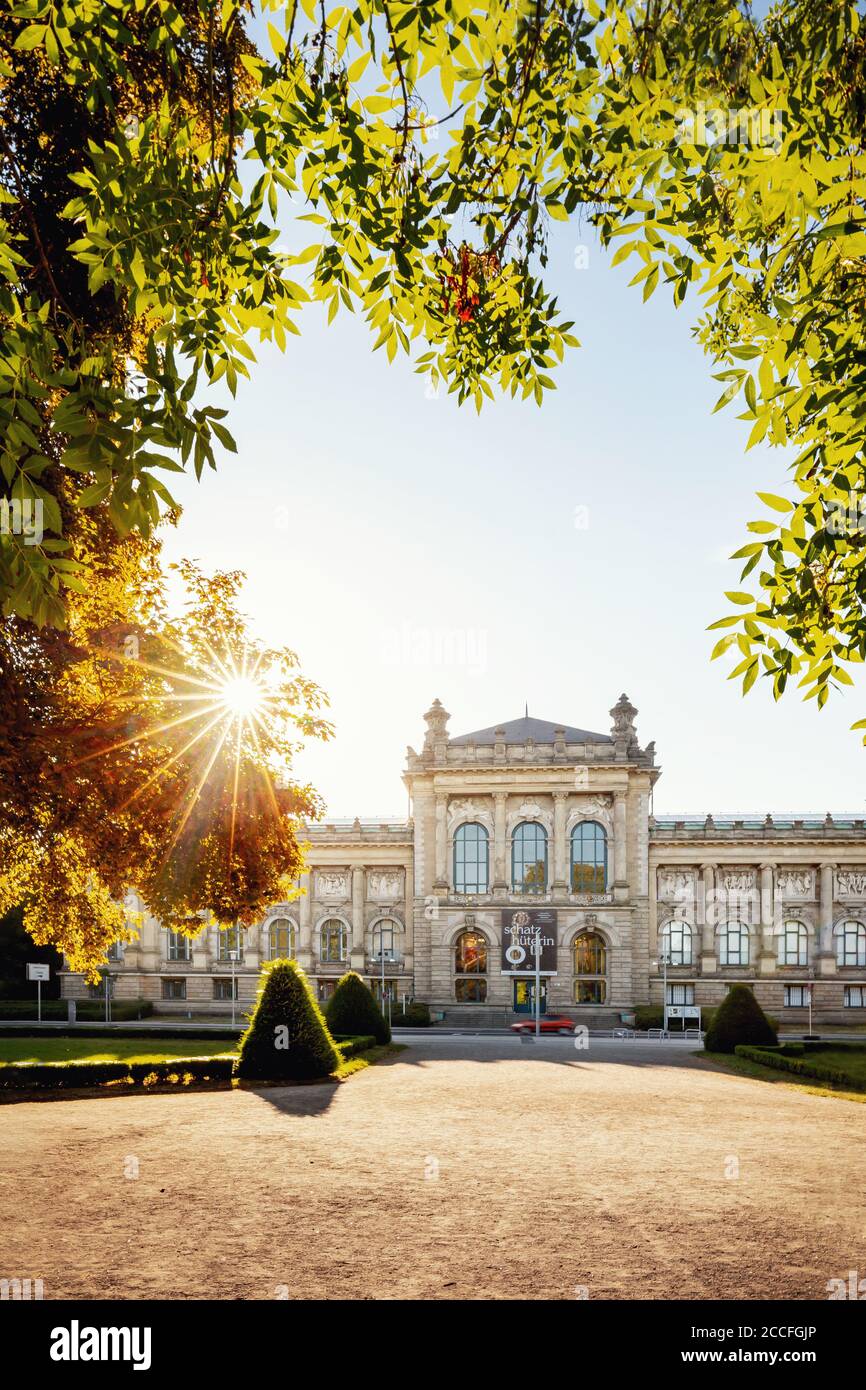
(851, 1060)
(46, 1049)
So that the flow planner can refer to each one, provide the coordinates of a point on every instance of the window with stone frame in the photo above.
(675, 942)
(471, 858)
(177, 946)
(855, 997)
(470, 954)
(793, 944)
(850, 938)
(333, 941)
(229, 940)
(282, 943)
(680, 996)
(589, 952)
(590, 991)
(174, 989)
(796, 996)
(529, 858)
(588, 858)
(386, 939)
(733, 943)
(470, 991)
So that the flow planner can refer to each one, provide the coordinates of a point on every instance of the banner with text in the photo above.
(520, 927)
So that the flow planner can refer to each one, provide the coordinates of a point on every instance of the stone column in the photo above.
(356, 953)
(500, 882)
(252, 939)
(441, 881)
(305, 922)
(409, 920)
(707, 915)
(767, 956)
(620, 844)
(825, 960)
(560, 854)
(202, 953)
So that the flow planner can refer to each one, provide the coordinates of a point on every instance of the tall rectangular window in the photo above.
(231, 939)
(471, 850)
(796, 996)
(178, 946)
(683, 995)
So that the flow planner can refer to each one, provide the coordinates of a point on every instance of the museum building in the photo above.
(535, 832)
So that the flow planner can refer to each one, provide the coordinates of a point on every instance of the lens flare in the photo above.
(242, 696)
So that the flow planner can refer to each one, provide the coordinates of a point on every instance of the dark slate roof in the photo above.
(542, 730)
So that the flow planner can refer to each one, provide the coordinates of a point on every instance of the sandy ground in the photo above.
(467, 1168)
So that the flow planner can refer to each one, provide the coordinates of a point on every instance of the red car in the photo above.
(548, 1023)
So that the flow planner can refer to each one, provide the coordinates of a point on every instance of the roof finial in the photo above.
(526, 710)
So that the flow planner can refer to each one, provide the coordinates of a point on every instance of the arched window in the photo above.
(386, 939)
(590, 968)
(675, 942)
(850, 943)
(793, 944)
(281, 939)
(230, 941)
(333, 940)
(733, 943)
(470, 964)
(529, 858)
(470, 954)
(471, 855)
(588, 858)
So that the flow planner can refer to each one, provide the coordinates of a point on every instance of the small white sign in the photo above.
(683, 1011)
(37, 972)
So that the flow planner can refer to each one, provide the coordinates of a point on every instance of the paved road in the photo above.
(468, 1167)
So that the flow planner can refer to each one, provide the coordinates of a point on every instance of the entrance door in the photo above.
(524, 996)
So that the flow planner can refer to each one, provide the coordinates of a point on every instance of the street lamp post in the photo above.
(382, 958)
(664, 957)
(233, 956)
(537, 948)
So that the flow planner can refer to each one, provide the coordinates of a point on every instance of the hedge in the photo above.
(416, 1015)
(350, 1047)
(287, 1039)
(75, 1030)
(352, 1008)
(54, 1076)
(739, 1020)
(123, 1010)
(786, 1059)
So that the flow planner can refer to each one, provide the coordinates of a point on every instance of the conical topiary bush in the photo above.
(287, 1037)
(353, 1010)
(739, 1019)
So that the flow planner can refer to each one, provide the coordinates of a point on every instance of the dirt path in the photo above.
(466, 1168)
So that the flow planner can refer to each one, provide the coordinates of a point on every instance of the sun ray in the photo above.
(188, 812)
(150, 733)
(202, 733)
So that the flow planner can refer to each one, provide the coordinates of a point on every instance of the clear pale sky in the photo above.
(407, 549)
